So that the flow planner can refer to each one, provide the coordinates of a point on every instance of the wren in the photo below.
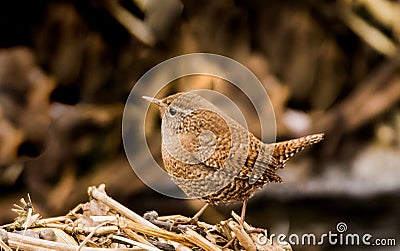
(211, 156)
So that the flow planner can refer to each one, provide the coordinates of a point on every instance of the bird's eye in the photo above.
(172, 111)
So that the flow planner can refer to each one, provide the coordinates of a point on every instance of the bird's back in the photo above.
(260, 168)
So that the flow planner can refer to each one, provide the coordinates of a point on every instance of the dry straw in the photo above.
(105, 224)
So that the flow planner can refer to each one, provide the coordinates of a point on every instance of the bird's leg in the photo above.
(241, 223)
(194, 219)
(243, 214)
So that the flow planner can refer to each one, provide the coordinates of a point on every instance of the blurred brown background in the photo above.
(67, 67)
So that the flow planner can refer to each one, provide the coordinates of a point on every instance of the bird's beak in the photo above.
(153, 100)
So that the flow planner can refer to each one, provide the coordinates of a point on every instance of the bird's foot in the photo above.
(175, 225)
(191, 221)
(229, 243)
(187, 221)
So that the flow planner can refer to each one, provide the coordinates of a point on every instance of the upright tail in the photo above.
(286, 149)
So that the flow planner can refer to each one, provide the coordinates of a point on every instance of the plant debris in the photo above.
(103, 223)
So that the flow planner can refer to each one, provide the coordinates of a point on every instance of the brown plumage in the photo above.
(199, 141)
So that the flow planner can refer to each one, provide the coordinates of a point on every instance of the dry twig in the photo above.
(98, 224)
